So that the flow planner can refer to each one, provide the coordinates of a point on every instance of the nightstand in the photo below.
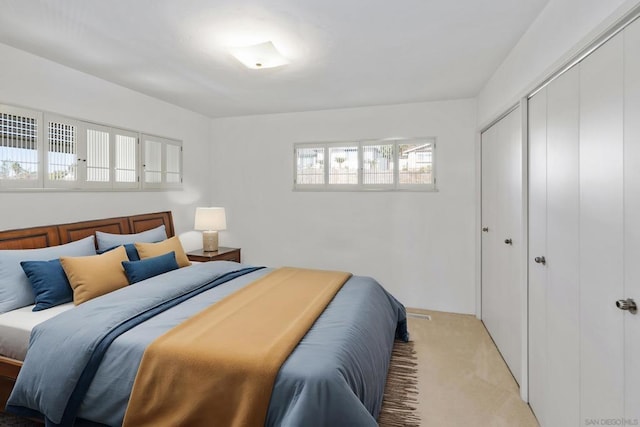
(222, 254)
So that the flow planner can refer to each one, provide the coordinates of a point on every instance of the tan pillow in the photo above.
(92, 276)
(149, 250)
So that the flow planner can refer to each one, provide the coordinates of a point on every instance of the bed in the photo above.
(335, 375)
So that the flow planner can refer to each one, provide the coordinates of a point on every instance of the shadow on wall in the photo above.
(191, 240)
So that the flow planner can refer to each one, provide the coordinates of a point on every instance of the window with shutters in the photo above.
(384, 165)
(162, 164)
(44, 150)
(20, 136)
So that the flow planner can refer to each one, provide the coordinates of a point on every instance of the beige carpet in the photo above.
(462, 379)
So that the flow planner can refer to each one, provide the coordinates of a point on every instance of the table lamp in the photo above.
(210, 221)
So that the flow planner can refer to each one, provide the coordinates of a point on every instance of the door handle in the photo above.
(508, 242)
(485, 229)
(628, 305)
(540, 260)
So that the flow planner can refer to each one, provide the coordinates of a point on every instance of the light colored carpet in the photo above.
(462, 379)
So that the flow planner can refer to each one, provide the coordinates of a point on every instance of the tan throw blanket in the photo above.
(219, 366)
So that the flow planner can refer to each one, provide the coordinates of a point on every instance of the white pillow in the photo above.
(108, 240)
(15, 289)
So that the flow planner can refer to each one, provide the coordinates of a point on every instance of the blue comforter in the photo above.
(335, 376)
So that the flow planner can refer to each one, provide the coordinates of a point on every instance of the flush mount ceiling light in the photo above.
(257, 56)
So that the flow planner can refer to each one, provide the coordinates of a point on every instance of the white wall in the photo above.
(562, 29)
(31, 81)
(419, 245)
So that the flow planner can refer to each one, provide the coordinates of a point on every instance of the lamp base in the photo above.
(210, 241)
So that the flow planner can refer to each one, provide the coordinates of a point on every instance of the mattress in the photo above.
(16, 326)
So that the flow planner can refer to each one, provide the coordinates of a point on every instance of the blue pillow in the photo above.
(132, 252)
(49, 282)
(108, 240)
(15, 289)
(138, 271)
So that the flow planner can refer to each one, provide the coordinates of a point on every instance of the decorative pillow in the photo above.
(138, 271)
(92, 276)
(49, 283)
(108, 240)
(15, 289)
(149, 250)
(132, 253)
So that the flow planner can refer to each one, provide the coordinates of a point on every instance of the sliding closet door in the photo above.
(538, 381)
(554, 264)
(490, 248)
(632, 217)
(501, 237)
(601, 232)
(584, 212)
(563, 248)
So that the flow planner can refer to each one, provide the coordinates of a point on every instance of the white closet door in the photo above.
(601, 232)
(501, 215)
(511, 208)
(632, 217)
(563, 251)
(490, 275)
(537, 248)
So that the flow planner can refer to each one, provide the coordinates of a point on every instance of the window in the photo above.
(343, 165)
(45, 150)
(20, 136)
(399, 164)
(162, 162)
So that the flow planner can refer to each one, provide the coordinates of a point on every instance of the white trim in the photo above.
(524, 254)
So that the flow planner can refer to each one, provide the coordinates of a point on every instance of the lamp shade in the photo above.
(210, 219)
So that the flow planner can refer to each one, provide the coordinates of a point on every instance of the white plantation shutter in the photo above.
(162, 162)
(20, 147)
(378, 165)
(174, 163)
(309, 165)
(62, 152)
(126, 159)
(152, 163)
(343, 164)
(97, 159)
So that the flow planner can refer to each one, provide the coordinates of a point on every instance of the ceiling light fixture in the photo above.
(257, 56)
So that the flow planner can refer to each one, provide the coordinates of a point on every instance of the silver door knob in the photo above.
(540, 260)
(627, 304)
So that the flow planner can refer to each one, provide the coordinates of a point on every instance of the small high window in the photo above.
(398, 164)
(44, 150)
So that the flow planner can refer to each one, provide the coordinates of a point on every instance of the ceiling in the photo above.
(343, 53)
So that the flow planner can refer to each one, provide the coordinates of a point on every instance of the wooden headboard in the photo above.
(58, 234)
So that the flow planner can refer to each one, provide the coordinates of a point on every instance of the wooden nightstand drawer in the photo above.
(223, 254)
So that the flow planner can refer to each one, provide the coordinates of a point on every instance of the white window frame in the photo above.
(302, 146)
(124, 185)
(327, 166)
(163, 184)
(48, 183)
(10, 184)
(380, 187)
(43, 182)
(360, 186)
